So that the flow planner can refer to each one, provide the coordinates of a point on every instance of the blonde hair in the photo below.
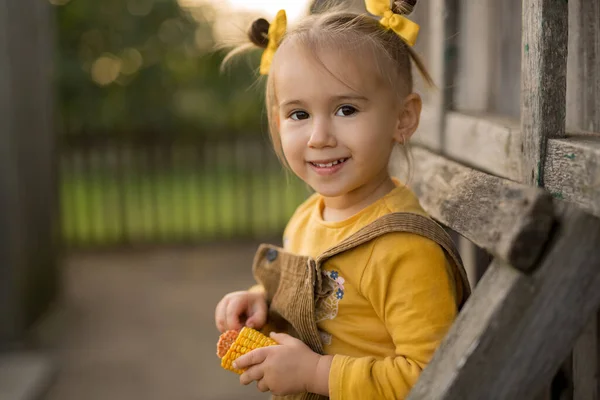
(335, 28)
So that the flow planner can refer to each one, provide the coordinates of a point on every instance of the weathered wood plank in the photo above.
(516, 329)
(583, 74)
(441, 37)
(583, 113)
(25, 376)
(475, 46)
(543, 82)
(480, 140)
(585, 362)
(506, 64)
(490, 140)
(508, 219)
(572, 171)
(490, 144)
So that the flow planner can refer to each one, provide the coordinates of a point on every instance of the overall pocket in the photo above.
(289, 281)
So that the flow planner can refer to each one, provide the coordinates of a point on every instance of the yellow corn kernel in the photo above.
(248, 340)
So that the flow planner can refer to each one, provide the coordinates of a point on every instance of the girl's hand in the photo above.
(290, 368)
(238, 308)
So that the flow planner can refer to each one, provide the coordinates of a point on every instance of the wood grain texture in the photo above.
(583, 73)
(483, 141)
(543, 82)
(487, 142)
(442, 18)
(506, 65)
(510, 220)
(475, 57)
(585, 362)
(517, 329)
(490, 143)
(572, 171)
(575, 172)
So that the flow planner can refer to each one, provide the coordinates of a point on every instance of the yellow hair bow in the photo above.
(277, 29)
(403, 27)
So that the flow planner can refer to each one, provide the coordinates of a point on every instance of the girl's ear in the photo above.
(408, 117)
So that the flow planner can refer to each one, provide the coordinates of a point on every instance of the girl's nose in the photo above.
(321, 135)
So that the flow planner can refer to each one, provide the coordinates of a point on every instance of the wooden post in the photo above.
(28, 186)
(475, 34)
(440, 47)
(583, 114)
(583, 74)
(543, 82)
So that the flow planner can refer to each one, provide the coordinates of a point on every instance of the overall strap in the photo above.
(410, 223)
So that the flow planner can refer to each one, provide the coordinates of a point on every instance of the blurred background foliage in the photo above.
(133, 67)
(156, 144)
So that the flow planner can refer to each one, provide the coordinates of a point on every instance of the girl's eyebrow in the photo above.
(350, 97)
(290, 103)
(335, 98)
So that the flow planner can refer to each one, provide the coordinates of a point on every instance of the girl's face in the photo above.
(336, 138)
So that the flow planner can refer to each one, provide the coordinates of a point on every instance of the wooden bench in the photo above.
(518, 176)
(535, 299)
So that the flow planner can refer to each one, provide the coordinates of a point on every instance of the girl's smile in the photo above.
(328, 167)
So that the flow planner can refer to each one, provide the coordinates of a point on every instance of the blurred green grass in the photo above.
(101, 207)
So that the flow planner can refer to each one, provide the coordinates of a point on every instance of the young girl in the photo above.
(366, 286)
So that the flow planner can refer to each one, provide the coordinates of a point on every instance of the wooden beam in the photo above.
(490, 143)
(543, 82)
(510, 220)
(480, 140)
(442, 36)
(572, 171)
(516, 329)
(25, 376)
(583, 74)
(579, 179)
(585, 362)
(505, 66)
(475, 36)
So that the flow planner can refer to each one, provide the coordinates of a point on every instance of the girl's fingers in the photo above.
(262, 386)
(252, 374)
(221, 316)
(258, 314)
(235, 309)
(252, 358)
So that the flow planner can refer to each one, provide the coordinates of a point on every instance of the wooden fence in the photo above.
(117, 190)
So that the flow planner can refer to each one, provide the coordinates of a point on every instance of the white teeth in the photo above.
(331, 164)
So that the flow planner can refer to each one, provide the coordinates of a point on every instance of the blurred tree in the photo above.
(135, 67)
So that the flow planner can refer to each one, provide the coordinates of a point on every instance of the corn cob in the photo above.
(233, 344)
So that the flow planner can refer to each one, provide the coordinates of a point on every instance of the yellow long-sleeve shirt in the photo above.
(392, 300)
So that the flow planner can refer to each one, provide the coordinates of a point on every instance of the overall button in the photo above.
(271, 255)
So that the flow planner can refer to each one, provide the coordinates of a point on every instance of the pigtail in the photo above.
(259, 33)
(406, 7)
(257, 36)
(420, 66)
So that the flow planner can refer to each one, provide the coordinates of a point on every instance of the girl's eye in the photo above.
(345, 111)
(299, 115)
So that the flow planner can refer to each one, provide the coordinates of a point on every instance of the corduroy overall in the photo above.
(293, 283)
